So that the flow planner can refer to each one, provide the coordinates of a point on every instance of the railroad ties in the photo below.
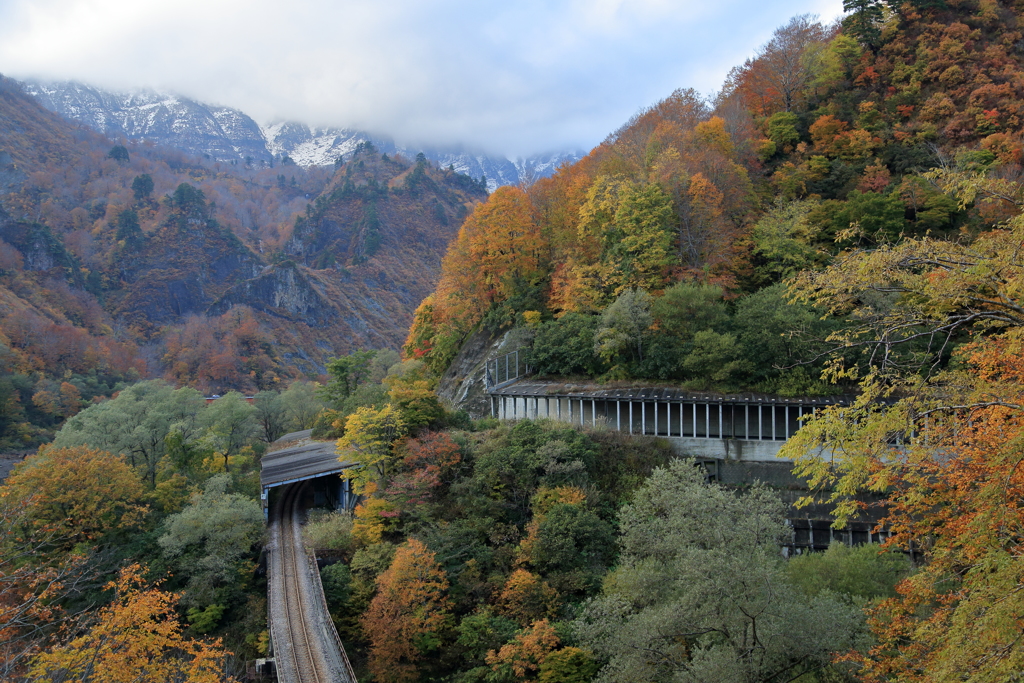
(306, 646)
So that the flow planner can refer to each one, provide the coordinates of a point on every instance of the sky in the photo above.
(517, 78)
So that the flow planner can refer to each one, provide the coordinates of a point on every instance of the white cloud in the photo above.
(517, 77)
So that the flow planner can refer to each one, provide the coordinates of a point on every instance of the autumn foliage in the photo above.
(527, 652)
(136, 638)
(666, 197)
(941, 444)
(80, 493)
(405, 616)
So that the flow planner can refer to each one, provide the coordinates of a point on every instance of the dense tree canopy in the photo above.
(699, 593)
(939, 442)
(136, 424)
(76, 494)
(135, 638)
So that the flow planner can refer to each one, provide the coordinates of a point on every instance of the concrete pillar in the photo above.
(630, 416)
(643, 417)
(618, 415)
(721, 434)
(773, 422)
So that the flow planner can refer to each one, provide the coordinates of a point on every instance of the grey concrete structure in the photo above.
(702, 424)
(305, 460)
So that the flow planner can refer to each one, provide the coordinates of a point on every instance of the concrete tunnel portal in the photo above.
(306, 460)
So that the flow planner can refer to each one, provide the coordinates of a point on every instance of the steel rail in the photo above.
(300, 642)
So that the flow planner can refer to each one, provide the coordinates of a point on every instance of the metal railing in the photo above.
(332, 634)
(504, 370)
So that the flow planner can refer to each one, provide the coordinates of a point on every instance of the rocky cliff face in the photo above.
(366, 253)
(286, 291)
(174, 275)
(182, 268)
(462, 387)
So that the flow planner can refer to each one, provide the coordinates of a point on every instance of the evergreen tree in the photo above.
(864, 21)
(142, 186)
(119, 153)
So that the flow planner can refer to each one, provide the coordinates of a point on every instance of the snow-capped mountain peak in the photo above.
(227, 134)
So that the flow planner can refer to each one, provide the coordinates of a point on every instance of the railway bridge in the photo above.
(304, 645)
(736, 426)
(735, 436)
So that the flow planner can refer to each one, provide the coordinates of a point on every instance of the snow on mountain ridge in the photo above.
(227, 134)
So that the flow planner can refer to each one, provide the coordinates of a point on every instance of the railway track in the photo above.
(306, 647)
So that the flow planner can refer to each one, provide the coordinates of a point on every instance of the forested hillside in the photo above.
(479, 552)
(124, 261)
(844, 216)
(660, 254)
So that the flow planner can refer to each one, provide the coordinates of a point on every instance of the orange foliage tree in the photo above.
(404, 618)
(525, 655)
(80, 492)
(135, 639)
(943, 447)
(498, 249)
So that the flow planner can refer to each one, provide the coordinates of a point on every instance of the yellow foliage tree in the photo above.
(135, 639)
(368, 440)
(526, 597)
(79, 491)
(373, 518)
(415, 399)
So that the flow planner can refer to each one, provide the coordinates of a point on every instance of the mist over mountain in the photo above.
(229, 135)
(123, 259)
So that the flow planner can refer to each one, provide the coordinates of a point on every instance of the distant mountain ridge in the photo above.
(229, 135)
(157, 263)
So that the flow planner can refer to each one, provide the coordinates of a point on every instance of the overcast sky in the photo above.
(516, 77)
